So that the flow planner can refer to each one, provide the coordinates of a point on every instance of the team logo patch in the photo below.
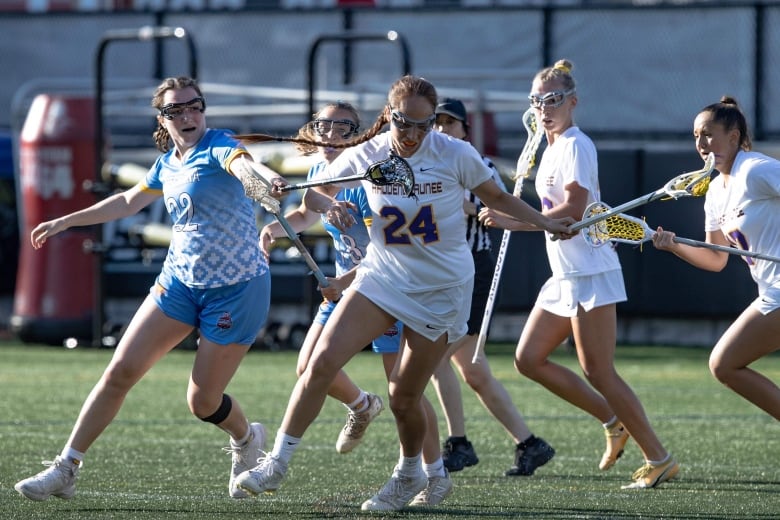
(225, 321)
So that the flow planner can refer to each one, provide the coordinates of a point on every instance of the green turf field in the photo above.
(157, 461)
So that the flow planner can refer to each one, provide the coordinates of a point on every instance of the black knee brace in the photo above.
(222, 412)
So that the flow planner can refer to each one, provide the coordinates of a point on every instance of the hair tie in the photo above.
(563, 68)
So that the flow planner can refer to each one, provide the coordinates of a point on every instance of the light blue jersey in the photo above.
(350, 246)
(214, 241)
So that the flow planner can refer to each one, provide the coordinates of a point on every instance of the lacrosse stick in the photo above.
(258, 188)
(689, 184)
(392, 171)
(524, 164)
(632, 230)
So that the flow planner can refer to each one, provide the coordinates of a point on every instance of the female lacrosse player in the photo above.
(214, 278)
(742, 209)
(414, 272)
(581, 295)
(530, 451)
(336, 123)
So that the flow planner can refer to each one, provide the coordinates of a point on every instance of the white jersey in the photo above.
(747, 211)
(418, 242)
(572, 158)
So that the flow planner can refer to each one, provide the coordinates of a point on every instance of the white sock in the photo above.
(360, 404)
(612, 422)
(284, 446)
(243, 440)
(409, 466)
(72, 455)
(436, 469)
(660, 462)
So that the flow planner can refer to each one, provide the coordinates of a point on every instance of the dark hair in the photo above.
(162, 138)
(307, 132)
(727, 113)
(405, 87)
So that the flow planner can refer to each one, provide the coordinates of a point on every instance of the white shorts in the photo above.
(561, 296)
(430, 313)
(768, 301)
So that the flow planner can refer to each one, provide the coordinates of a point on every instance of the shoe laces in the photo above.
(357, 421)
(643, 471)
(56, 465)
(266, 465)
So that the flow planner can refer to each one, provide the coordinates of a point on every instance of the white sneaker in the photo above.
(245, 457)
(352, 433)
(263, 478)
(59, 479)
(435, 491)
(396, 493)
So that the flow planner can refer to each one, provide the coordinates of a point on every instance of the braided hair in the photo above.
(405, 87)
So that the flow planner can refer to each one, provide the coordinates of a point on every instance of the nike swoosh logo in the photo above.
(432, 328)
(426, 169)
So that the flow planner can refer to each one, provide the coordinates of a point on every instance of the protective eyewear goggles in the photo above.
(552, 99)
(404, 123)
(341, 127)
(175, 110)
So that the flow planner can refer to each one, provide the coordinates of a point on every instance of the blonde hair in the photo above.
(560, 71)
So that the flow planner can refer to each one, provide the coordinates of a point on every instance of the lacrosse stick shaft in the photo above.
(491, 300)
(258, 187)
(322, 182)
(725, 249)
(524, 163)
(698, 175)
(293, 236)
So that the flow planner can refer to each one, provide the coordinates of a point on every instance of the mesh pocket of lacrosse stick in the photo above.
(616, 227)
(695, 183)
(260, 190)
(393, 170)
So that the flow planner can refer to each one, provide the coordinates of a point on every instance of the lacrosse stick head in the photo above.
(694, 183)
(615, 228)
(596, 235)
(527, 158)
(257, 187)
(392, 171)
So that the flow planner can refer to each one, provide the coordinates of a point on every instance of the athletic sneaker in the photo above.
(458, 453)
(435, 491)
(59, 480)
(649, 476)
(357, 422)
(263, 478)
(245, 457)
(529, 455)
(396, 493)
(617, 437)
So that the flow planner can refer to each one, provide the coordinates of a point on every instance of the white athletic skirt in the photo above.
(768, 301)
(430, 313)
(561, 296)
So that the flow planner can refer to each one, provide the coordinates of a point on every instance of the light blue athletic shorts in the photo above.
(387, 343)
(224, 315)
